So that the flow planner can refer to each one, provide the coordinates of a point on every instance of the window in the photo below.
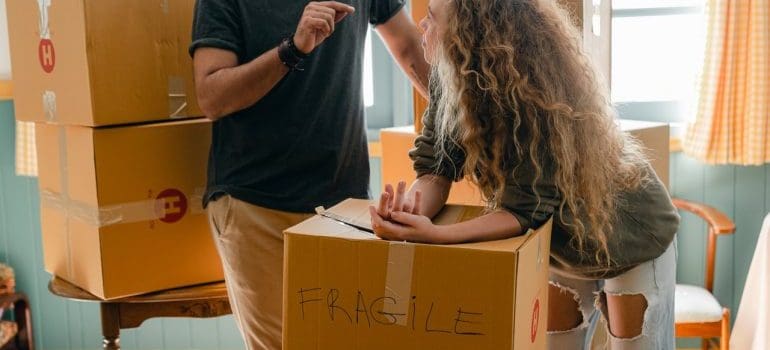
(5, 60)
(368, 80)
(657, 49)
(387, 90)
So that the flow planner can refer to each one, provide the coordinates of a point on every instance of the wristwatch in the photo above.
(290, 55)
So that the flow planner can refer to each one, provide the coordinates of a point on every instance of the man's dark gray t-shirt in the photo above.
(304, 143)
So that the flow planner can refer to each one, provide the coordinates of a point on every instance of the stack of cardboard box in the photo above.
(122, 165)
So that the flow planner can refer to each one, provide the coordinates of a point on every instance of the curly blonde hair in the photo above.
(516, 86)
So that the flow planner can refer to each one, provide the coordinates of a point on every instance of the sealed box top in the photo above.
(357, 211)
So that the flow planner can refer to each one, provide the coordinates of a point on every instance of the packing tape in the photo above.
(398, 280)
(42, 8)
(129, 212)
(64, 178)
(49, 105)
(177, 97)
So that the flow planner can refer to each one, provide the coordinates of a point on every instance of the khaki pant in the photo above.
(250, 243)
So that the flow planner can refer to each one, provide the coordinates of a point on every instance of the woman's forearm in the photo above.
(489, 227)
(434, 190)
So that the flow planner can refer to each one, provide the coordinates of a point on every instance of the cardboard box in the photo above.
(656, 139)
(396, 165)
(346, 289)
(121, 207)
(96, 62)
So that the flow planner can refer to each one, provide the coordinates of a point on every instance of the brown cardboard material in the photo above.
(96, 63)
(396, 165)
(655, 138)
(346, 289)
(121, 207)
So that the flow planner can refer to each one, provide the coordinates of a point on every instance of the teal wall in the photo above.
(741, 192)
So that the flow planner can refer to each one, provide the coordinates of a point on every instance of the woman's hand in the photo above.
(404, 226)
(400, 201)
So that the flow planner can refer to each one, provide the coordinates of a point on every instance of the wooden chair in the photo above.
(203, 301)
(698, 313)
(17, 334)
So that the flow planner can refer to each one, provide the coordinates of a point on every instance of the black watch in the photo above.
(290, 55)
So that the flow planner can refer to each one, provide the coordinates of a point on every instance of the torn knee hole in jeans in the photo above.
(564, 322)
(629, 315)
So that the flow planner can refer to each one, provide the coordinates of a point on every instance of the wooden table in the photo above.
(203, 301)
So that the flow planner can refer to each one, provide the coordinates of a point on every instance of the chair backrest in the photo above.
(718, 224)
(24, 339)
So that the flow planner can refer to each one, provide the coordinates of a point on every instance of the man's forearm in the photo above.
(228, 90)
(413, 63)
(404, 41)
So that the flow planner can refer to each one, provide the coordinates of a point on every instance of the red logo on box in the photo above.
(535, 321)
(173, 204)
(47, 55)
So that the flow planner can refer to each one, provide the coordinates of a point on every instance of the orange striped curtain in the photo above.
(732, 124)
(26, 152)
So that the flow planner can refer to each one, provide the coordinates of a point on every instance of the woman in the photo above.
(517, 109)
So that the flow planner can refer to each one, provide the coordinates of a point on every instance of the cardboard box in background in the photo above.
(656, 139)
(396, 165)
(121, 206)
(96, 63)
(347, 289)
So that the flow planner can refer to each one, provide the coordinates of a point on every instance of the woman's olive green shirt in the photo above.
(644, 226)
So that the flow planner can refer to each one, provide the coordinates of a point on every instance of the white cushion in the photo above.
(696, 305)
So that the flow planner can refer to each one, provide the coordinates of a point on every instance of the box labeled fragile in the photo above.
(344, 288)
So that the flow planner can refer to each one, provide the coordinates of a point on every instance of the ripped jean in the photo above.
(655, 280)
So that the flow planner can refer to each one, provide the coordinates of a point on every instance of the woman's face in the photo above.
(433, 27)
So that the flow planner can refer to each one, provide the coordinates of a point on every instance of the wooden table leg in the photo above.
(111, 326)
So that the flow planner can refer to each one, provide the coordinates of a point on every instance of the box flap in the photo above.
(356, 211)
(325, 227)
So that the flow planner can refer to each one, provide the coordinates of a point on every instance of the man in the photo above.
(282, 82)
